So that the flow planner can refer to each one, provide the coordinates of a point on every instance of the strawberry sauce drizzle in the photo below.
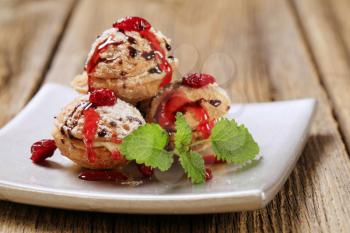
(177, 102)
(89, 131)
(102, 176)
(96, 58)
(143, 27)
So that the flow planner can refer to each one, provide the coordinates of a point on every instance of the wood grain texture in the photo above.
(327, 30)
(29, 33)
(264, 43)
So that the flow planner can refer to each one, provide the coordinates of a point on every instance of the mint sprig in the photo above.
(146, 146)
(230, 142)
(192, 162)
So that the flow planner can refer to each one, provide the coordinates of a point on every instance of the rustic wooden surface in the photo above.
(278, 50)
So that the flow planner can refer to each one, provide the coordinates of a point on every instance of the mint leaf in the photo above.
(146, 146)
(232, 142)
(193, 164)
(183, 135)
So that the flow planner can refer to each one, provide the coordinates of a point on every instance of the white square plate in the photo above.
(280, 128)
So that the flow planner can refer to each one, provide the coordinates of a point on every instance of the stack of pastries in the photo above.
(129, 80)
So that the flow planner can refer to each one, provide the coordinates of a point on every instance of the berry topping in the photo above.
(102, 97)
(91, 119)
(145, 170)
(211, 159)
(174, 102)
(132, 24)
(116, 155)
(143, 27)
(42, 149)
(208, 174)
(197, 80)
(103, 176)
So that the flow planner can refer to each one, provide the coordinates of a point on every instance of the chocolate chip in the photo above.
(132, 52)
(148, 55)
(167, 46)
(155, 70)
(131, 40)
(102, 133)
(215, 103)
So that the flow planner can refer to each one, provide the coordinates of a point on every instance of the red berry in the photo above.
(102, 97)
(132, 24)
(145, 170)
(43, 149)
(197, 80)
(208, 174)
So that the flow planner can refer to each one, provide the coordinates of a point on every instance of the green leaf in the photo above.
(193, 164)
(146, 146)
(183, 135)
(233, 143)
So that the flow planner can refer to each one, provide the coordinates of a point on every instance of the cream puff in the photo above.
(88, 133)
(198, 97)
(133, 59)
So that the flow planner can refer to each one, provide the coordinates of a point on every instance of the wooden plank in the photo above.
(29, 33)
(272, 63)
(327, 29)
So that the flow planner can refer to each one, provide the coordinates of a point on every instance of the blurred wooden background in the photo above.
(268, 50)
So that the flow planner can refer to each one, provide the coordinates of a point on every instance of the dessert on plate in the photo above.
(132, 58)
(129, 70)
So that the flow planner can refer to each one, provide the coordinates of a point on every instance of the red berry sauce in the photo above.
(143, 27)
(208, 174)
(116, 155)
(89, 130)
(197, 80)
(96, 58)
(41, 150)
(145, 170)
(173, 102)
(96, 175)
(102, 97)
(211, 159)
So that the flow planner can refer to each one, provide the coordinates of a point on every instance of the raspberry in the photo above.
(132, 24)
(41, 150)
(145, 170)
(102, 97)
(197, 80)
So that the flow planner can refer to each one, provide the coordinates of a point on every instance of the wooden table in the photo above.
(280, 50)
